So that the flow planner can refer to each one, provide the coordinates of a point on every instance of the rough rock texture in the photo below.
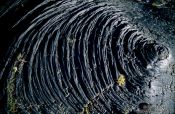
(156, 87)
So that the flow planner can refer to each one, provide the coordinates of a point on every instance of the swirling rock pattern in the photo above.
(71, 55)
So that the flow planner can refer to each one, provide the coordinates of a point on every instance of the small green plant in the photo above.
(121, 81)
(11, 84)
(11, 100)
(86, 110)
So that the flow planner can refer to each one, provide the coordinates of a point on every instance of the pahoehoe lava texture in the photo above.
(71, 55)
